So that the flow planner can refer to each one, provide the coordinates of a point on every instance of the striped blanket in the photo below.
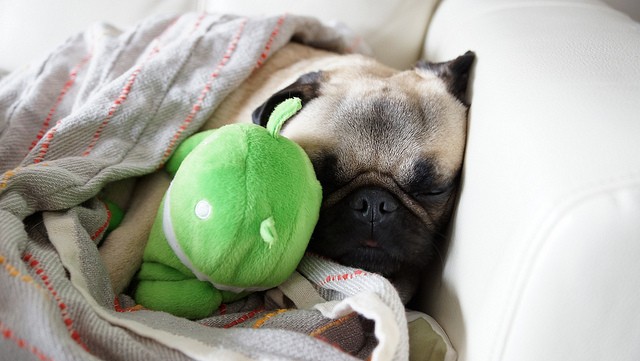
(107, 106)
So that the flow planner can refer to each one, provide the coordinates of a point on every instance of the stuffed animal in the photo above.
(236, 218)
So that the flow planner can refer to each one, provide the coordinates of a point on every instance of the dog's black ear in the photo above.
(307, 87)
(454, 73)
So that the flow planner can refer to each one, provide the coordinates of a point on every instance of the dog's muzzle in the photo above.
(374, 196)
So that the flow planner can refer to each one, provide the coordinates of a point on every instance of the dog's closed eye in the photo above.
(430, 193)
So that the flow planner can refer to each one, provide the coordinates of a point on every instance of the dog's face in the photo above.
(387, 147)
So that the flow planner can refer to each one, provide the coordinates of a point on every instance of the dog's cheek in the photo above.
(419, 242)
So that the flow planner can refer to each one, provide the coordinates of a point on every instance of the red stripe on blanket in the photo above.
(44, 148)
(244, 318)
(117, 306)
(66, 318)
(267, 48)
(222, 310)
(65, 89)
(343, 276)
(48, 135)
(52, 132)
(124, 93)
(104, 225)
(128, 86)
(203, 93)
(198, 22)
(10, 335)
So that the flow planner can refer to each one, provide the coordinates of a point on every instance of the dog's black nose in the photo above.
(372, 204)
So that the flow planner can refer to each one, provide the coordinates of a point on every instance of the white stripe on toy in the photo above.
(172, 239)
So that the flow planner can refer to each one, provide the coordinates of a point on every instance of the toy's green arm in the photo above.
(184, 149)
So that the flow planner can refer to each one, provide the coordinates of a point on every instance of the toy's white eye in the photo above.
(203, 209)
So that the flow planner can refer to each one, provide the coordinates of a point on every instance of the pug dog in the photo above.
(387, 147)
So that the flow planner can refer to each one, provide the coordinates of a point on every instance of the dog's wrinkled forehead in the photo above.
(367, 117)
(372, 120)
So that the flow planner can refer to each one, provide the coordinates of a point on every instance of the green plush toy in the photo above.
(236, 218)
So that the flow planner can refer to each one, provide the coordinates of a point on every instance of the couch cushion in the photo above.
(544, 241)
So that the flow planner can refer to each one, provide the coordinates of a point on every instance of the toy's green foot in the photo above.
(192, 299)
(117, 214)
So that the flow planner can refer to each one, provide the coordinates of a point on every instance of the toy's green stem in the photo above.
(281, 113)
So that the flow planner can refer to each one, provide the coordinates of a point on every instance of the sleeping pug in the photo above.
(387, 147)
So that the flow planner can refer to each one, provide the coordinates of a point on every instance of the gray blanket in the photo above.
(110, 105)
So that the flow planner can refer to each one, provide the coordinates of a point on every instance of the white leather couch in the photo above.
(544, 257)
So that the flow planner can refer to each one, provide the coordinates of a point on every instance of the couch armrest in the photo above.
(543, 260)
(31, 29)
(394, 29)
